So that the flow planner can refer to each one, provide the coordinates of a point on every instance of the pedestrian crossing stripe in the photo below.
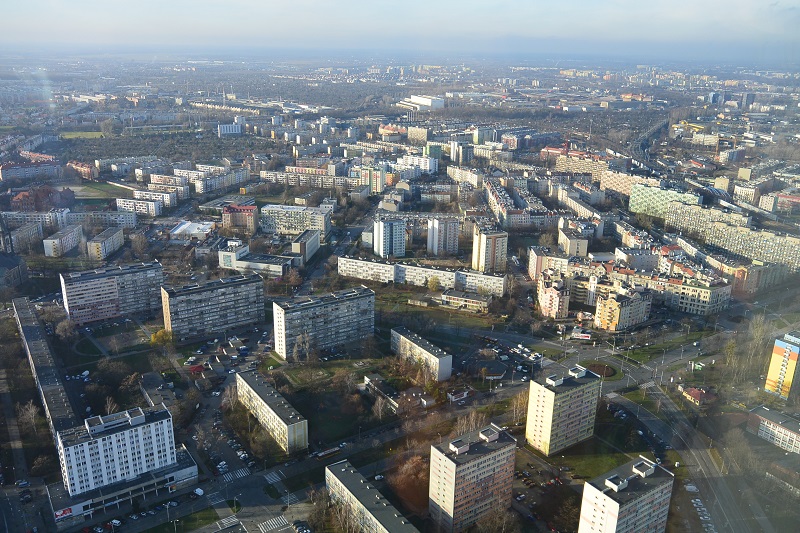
(273, 523)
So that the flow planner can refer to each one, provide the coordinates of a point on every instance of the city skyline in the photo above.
(737, 31)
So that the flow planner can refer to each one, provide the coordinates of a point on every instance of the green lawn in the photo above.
(188, 523)
(617, 373)
(653, 351)
(87, 347)
(639, 396)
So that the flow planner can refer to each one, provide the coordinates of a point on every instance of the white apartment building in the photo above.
(324, 321)
(419, 275)
(370, 509)
(237, 257)
(115, 448)
(389, 238)
(470, 477)
(409, 345)
(561, 410)
(633, 498)
(167, 199)
(142, 207)
(442, 236)
(62, 242)
(182, 192)
(426, 164)
(26, 236)
(55, 218)
(294, 220)
(775, 427)
(103, 218)
(282, 421)
(105, 243)
(201, 311)
(489, 250)
(160, 179)
(111, 292)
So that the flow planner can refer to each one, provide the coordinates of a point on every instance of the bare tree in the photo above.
(498, 520)
(28, 414)
(66, 330)
(379, 408)
(344, 517)
(465, 424)
(519, 406)
(111, 405)
(230, 397)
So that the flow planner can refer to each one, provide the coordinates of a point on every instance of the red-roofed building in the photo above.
(240, 217)
(699, 397)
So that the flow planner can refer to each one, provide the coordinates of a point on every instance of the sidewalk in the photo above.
(15, 442)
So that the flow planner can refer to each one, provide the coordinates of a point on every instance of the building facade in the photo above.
(243, 217)
(318, 322)
(442, 236)
(199, 311)
(389, 238)
(780, 429)
(142, 207)
(63, 241)
(622, 310)
(489, 250)
(633, 498)
(105, 243)
(409, 345)
(470, 477)
(282, 421)
(655, 201)
(294, 220)
(783, 368)
(112, 292)
(562, 410)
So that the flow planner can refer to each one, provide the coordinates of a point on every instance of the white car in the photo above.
(378, 477)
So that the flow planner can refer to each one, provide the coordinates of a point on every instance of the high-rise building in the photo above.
(370, 510)
(282, 421)
(114, 448)
(408, 344)
(470, 477)
(633, 498)
(294, 220)
(107, 293)
(198, 311)
(442, 236)
(389, 237)
(489, 250)
(655, 201)
(318, 322)
(562, 410)
(783, 366)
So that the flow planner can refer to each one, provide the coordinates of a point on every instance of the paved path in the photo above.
(15, 442)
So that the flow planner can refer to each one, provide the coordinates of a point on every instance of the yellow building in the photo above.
(783, 365)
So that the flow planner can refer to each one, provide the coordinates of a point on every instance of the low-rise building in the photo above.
(242, 217)
(306, 244)
(369, 509)
(408, 344)
(237, 256)
(282, 421)
(775, 427)
(62, 242)
(105, 243)
(469, 301)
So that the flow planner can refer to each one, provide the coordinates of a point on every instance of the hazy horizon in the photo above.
(734, 32)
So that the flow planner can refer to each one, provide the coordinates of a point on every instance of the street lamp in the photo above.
(663, 355)
(175, 525)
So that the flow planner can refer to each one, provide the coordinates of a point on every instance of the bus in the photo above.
(327, 453)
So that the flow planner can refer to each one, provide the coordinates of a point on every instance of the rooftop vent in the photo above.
(644, 468)
(616, 483)
(577, 371)
(554, 380)
(459, 446)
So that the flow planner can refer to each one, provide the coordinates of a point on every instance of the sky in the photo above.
(676, 29)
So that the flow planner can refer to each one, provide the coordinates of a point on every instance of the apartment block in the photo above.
(160, 179)
(562, 409)
(654, 201)
(419, 275)
(442, 236)
(243, 217)
(294, 220)
(200, 311)
(783, 368)
(237, 257)
(115, 448)
(142, 207)
(572, 242)
(306, 244)
(167, 199)
(622, 183)
(121, 219)
(370, 510)
(389, 238)
(324, 321)
(775, 427)
(409, 345)
(470, 477)
(62, 242)
(25, 171)
(553, 293)
(622, 310)
(489, 250)
(26, 237)
(105, 243)
(181, 192)
(282, 421)
(694, 219)
(54, 219)
(758, 245)
(111, 292)
(633, 498)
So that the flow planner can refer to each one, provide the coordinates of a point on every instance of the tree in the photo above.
(43, 465)
(473, 421)
(301, 347)
(66, 330)
(320, 502)
(28, 415)
(568, 516)
(410, 480)
(293, 278)
(519, 406)
(139, 246)
(498, 520)
(107, 127)
(111, 405)
(162, 339)
(379, 408)
(230, 398)
(433, 283)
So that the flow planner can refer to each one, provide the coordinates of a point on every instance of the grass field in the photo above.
(82, 135)
(188, 523)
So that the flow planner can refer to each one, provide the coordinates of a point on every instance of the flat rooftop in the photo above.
(637, 486)
(231, 199)
(306, 236)
(117, 422)
(370, 498)
(788, 421)
(567, 380)
(425, 344)
(105, 234)
(308, 302)
(60, 234)
(267, 393)
(477, 446)
(214, 285)
(121, 270)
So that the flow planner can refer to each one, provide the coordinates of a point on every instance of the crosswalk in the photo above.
(273, 523)
(291, 499)
(647, 385)
(215, 498)
(272, 477)
(225, 523)
(236, 474)
(647, 367)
